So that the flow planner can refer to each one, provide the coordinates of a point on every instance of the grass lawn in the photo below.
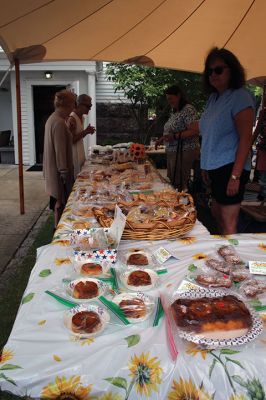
(10, 302)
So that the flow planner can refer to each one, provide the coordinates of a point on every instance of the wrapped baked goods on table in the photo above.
(156, 221)
(89, 342)
(214, 318)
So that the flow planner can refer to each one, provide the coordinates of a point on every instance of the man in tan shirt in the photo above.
(58, 161)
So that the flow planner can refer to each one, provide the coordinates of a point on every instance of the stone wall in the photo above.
(116, 123)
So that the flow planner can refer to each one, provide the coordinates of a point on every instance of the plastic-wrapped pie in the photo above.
(91, 269)
(86, 322)
(139, 278)
(212, 314)
(137, 258)
(133, 308)
(85, 290)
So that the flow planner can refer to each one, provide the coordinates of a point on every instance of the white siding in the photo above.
(27, 80)
(105, 90)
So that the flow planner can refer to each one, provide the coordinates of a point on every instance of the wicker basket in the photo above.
(158, 229)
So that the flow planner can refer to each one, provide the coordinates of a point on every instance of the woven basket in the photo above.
(160, 229)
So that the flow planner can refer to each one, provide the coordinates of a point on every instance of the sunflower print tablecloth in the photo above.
(42, 360)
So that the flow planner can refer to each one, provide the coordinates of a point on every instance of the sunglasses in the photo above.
(217, 70)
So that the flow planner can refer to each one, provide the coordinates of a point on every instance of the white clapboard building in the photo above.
(39, 82)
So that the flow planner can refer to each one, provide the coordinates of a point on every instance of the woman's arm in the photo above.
(192, 130)
(244, 123)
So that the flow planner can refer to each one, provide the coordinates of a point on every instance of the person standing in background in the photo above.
(58, 160)
(181, 151)
(75, 125)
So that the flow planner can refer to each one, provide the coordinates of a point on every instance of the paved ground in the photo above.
(15, 228)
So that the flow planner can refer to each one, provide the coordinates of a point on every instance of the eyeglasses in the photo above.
(217, 70)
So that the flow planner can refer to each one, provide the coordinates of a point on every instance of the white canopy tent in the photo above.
(165, 33)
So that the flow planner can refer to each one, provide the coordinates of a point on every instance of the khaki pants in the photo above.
(182, 171)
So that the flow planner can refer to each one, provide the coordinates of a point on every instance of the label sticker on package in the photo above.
(257, 267)
(162, 255)
(187, 285)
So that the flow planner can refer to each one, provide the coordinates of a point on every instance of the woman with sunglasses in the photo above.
(226, 131)
(75, 125)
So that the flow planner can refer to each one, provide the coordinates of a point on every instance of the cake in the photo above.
(86, 322)
(133, 308)
(139, 278)
(91, 269)
(85, 290)
(137, 259)
(225, 313)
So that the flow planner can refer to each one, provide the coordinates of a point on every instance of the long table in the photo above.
(43, 360)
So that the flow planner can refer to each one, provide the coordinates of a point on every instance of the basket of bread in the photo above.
(155, 220)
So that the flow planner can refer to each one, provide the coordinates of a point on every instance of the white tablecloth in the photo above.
(42, 359)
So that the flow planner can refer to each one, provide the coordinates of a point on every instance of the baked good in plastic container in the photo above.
(137, 279)
(230, 255)
(137, 307)
(218, 265)
(213, 318)
(86, 321)
(86, 289)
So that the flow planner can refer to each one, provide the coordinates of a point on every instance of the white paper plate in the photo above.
(154, 280)
(102, 288)
(148, 301)
(103, 315)
(235, 338)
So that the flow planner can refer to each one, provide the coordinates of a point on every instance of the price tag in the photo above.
(257, 267)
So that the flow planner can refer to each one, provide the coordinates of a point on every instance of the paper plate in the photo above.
(153, 275)
(212, 342)
(102, 288)
(102, 313)
(148, 301)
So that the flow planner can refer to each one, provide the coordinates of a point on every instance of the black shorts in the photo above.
(219, 180)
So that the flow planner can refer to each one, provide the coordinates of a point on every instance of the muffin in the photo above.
(85, 290)
(91, 268)
(86, 322)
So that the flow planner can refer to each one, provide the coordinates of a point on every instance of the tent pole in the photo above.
(20, 156)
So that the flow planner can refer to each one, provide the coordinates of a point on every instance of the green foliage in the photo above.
(145, 87)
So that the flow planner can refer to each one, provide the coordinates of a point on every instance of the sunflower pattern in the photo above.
(187, 240)
(6, 355)
(59, 261)
(63, 389)
(262, 246)
(192, 349)
(146, 372)
(82, 341)
(187, 390)
(199, 256)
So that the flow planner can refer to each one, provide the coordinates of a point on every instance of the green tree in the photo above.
(145, 86)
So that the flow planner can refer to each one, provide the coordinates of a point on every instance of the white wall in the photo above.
(105, 89)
